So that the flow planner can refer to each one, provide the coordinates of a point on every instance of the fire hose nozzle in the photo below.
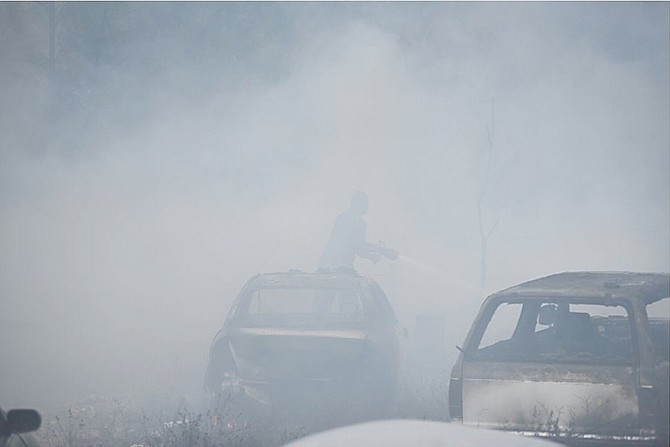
(388, 253)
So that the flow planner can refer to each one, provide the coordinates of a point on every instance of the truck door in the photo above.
(553, 367)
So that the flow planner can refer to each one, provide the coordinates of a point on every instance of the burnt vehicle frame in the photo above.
(598, 375)
(344, 349)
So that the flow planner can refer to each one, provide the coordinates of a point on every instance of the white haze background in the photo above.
(125, 238)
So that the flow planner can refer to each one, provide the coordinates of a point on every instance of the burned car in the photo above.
(291, 337)
(575, 357)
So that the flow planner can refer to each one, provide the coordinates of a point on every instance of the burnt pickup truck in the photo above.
(578, 357)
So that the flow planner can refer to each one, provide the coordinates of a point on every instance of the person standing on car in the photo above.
(348, 238)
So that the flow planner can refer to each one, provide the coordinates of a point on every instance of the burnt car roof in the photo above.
(648, 287)
(296, 278)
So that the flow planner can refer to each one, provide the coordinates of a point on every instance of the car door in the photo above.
(554, 367)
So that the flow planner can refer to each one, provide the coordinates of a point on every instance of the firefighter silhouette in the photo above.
(348, 239)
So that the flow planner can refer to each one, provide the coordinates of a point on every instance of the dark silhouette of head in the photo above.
(359, 202)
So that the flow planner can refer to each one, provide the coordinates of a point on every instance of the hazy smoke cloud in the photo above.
(199, 144)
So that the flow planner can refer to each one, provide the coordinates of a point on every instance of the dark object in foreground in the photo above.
(14, 426)
(577, 357)
(293, 338)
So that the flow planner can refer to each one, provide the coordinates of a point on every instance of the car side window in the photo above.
(558, 332)
(598, 333)
(501, 327)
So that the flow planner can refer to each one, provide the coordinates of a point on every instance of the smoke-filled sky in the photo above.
(167, 152)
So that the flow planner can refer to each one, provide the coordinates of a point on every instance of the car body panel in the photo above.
(561, 400)
(272, 353)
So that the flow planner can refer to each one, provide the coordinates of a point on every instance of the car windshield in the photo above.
(302, 304)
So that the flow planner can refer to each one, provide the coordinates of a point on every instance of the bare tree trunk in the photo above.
(52, 41)
(52, 114)
(483, 234)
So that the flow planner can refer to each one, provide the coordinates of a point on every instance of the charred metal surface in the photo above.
(340, 342)
(583, 362)
(542, 372)
(647, 287)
